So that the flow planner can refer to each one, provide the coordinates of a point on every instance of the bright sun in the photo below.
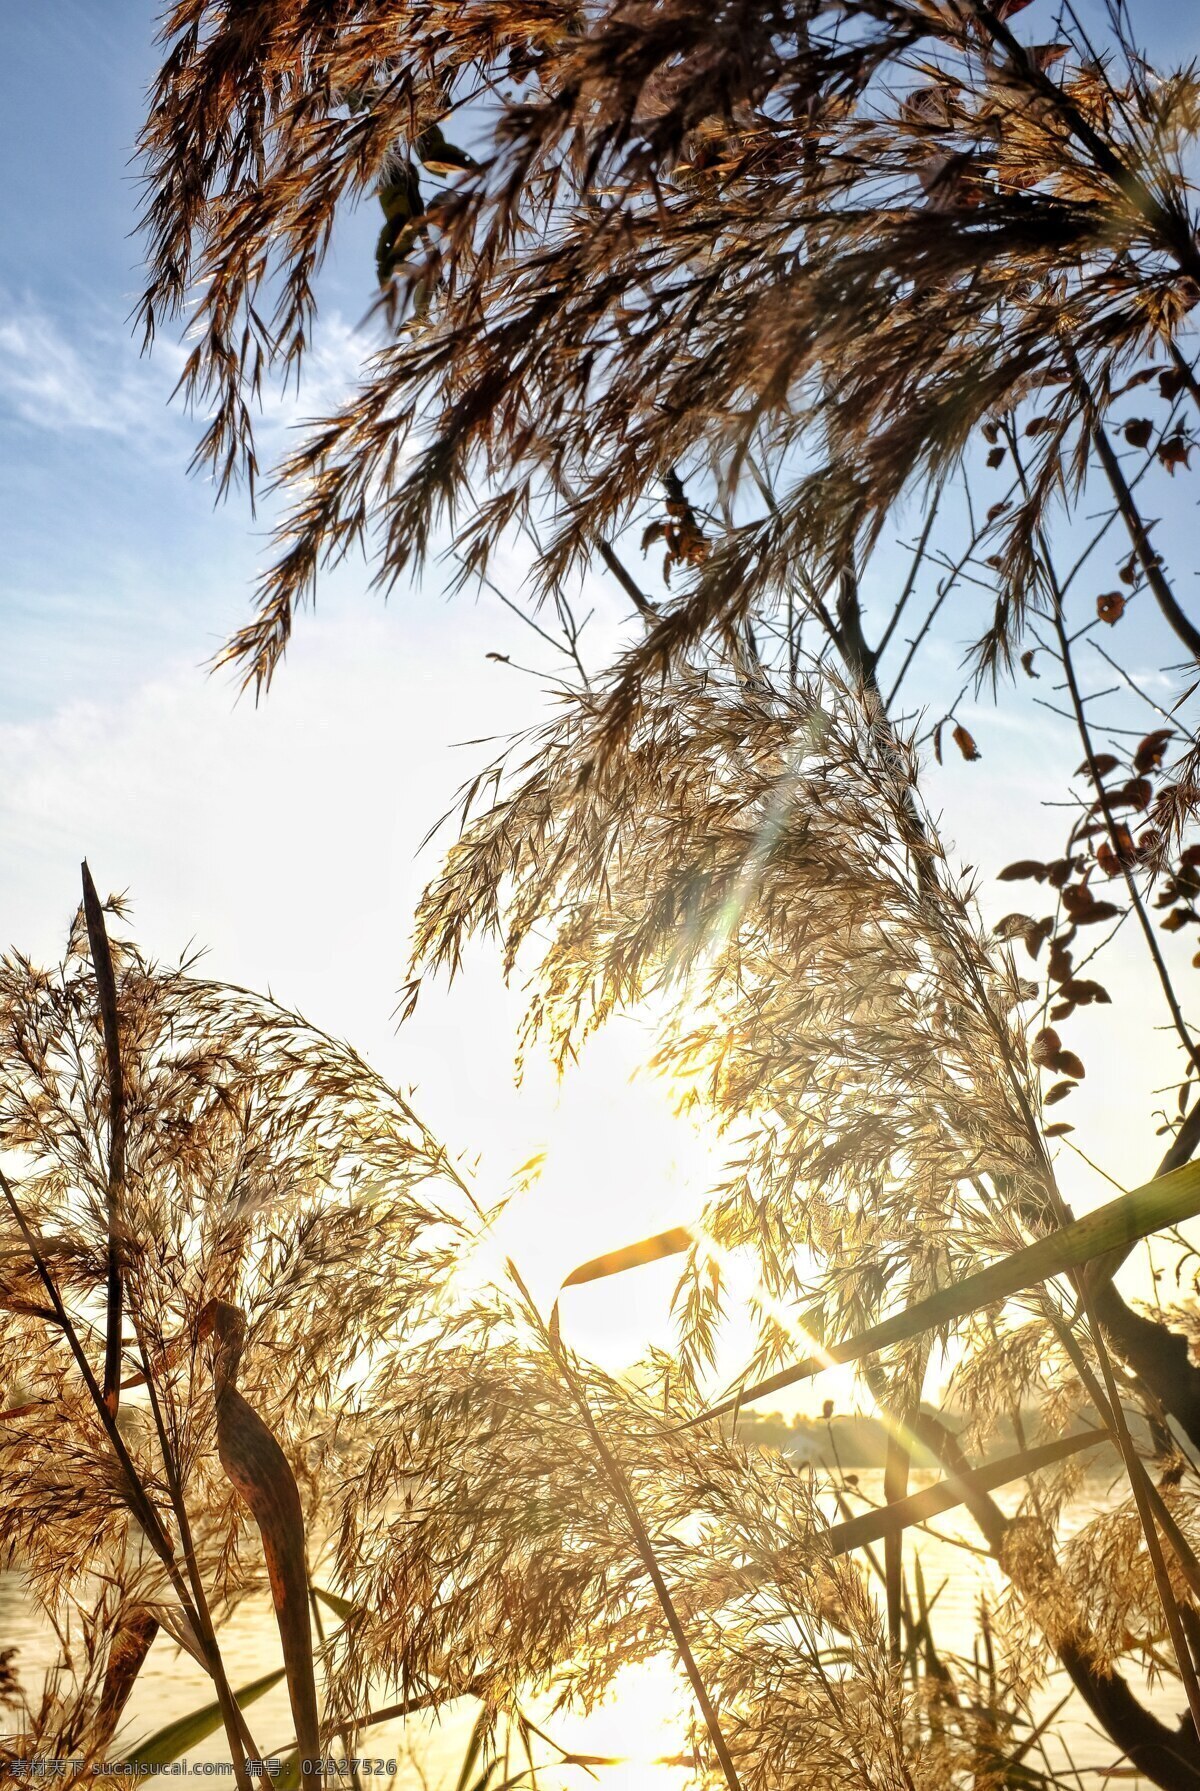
(642, 1724)
(616, 1164)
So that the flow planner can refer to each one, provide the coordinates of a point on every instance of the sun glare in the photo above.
(642, 1725)
(614, 1163)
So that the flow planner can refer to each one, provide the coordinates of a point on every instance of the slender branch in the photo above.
(625, 579)
(1157, 1355)
(1131, 682)
(1139, 536)
(896, 1467)
(237, 1730)
(850, 637)
(910, 581)
(1182, 1147)
(1173, 231)
(135, 1493)
(1162, 1582)
(1079, 711)
(1085, 735)
(620, 1486)
(944, 590)
(528, 620)
(1186, 371)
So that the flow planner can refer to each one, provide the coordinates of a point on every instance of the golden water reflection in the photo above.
(642, 1723)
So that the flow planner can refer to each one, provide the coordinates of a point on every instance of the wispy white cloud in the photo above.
(69, 375)
(286, 839)
(55, 380)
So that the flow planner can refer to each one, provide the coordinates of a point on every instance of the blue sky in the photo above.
(121, 578)
(285, 838)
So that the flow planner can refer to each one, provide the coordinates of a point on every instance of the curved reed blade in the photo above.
(341, 1607)
(186, 1732)
(1168, 1200)
(475, 1746)
(615, 1262)
(288, 1776)
(258, 1469)
(106, 991)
